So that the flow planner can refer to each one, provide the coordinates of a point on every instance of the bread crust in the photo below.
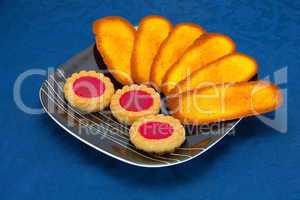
(114, 40)
(181, 37)
(225, 102)
(152, 31)
(206, 49)
(235, 67)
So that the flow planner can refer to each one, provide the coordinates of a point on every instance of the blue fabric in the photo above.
(40, 161)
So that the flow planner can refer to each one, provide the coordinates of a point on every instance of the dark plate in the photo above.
(102, 132)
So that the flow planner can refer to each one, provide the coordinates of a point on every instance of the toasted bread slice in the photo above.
(152, 31)
(225, 102)
(235, 67)
(206, 49)
(182, 36)
(114, 40)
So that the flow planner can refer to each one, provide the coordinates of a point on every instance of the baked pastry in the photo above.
(133, 102)
(115, 40)
(235, 67)
(181, 37)
(152, 31)
(157, 134)
(88, 91)
(206, 49)
(225, 102)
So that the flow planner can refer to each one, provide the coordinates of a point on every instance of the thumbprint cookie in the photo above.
(157, 134)
(89, 91)
(134, 101)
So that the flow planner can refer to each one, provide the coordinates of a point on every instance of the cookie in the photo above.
(89, 91)
(115, 40)
(225, 102)
(152, 31)
(133, 102)
(181, 37)
(235, 67)
(157, 134)
(206, 49)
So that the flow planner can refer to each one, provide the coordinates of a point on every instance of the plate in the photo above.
(104, 133)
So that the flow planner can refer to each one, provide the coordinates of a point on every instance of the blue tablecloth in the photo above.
(40, 161)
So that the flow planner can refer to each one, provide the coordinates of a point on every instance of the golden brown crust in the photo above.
(206, 49)
(95, 104)
(152, 31)
(160, 146)
(235, 67)
(128, 117)
(115, 40)
(181, 37)
(225, 102)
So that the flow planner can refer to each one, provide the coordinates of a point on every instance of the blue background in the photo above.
(40, 161)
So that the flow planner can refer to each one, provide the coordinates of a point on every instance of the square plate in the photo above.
(103, 132)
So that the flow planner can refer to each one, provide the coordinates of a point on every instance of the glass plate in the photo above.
(103, 132)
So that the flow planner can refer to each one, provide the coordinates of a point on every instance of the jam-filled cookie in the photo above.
(88, 91)
(157, 134)
(135, 101)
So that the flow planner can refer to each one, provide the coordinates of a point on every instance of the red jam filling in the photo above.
(88, 87)
(136, 100)
(156, 130)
